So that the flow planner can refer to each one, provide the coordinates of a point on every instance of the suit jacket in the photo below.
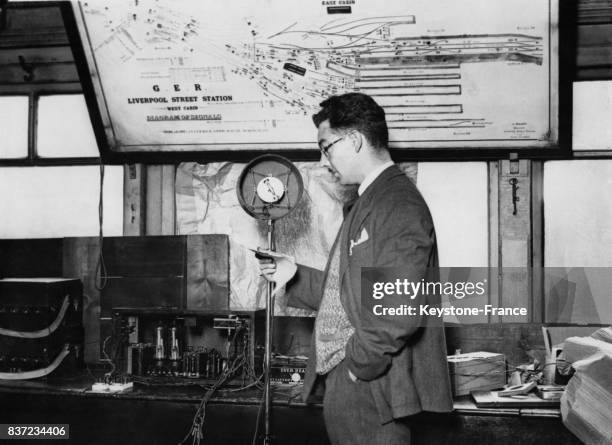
(403, 360)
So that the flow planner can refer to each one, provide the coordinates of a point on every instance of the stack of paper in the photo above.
(586, 406)
(604, 334)
(579, 348)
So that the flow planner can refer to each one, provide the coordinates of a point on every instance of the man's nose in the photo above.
(324, 162)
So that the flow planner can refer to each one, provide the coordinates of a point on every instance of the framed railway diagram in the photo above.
(474, 78)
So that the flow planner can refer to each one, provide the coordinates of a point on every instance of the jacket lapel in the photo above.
(359, 212)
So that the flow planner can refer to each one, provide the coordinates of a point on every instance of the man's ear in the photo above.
(357, 140)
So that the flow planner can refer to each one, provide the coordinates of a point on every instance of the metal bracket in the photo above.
(133, 173)
(515, 197)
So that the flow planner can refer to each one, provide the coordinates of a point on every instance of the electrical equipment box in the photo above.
(288, 370)
(291, 346)
(41, 327)
(180, 273)
(160, 346)
(189, 272)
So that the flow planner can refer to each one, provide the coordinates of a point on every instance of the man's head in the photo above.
(352, 132)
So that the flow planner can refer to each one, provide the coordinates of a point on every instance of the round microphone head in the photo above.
(269, 187)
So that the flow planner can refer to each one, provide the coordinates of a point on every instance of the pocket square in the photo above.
(363, 237)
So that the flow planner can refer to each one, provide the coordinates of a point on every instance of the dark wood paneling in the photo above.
(59, 72)
(24, 258)
(208, 272)
(124, 419)
(537, 242)
(594, 11)
(594, 45)
(48, 88)
(500, 430)
(34, 26)
(594, 51)
(34, 55)
(150, 256)
(134, 199)
(160, 218)
(80, 261)
(105, 420)
(37, 65)
(142, 292)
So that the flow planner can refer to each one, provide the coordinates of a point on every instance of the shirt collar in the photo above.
(372, 176)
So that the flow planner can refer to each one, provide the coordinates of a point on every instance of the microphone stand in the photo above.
(268, 352)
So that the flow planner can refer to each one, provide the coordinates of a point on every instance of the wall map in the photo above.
(175, 75)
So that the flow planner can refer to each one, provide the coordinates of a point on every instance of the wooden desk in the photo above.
(163, 416)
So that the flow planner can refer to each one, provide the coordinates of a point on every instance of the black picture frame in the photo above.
(560, 149)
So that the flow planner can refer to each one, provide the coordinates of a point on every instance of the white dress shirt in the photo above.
(372, 177)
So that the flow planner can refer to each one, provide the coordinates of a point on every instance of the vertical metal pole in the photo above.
(268, 354)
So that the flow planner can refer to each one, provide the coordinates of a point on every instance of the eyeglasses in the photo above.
(325, 148)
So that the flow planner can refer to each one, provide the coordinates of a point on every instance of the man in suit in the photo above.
(378, 369)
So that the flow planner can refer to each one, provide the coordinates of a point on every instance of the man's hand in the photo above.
(267, 267)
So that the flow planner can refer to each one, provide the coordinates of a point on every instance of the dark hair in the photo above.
(355, 111)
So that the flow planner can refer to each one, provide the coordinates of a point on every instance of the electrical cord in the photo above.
(37, 373)
(259, 409)
(240, 362)
(41, 333)
(197, 426)
(256, 383)
(107, 358)
(196, 431)
(114, 354)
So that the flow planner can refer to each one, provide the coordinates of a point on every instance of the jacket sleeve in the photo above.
(404, 244)
(304, 291)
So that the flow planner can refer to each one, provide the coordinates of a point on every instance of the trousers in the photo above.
(350, 413)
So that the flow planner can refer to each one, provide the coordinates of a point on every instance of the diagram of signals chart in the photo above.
(195, 75)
